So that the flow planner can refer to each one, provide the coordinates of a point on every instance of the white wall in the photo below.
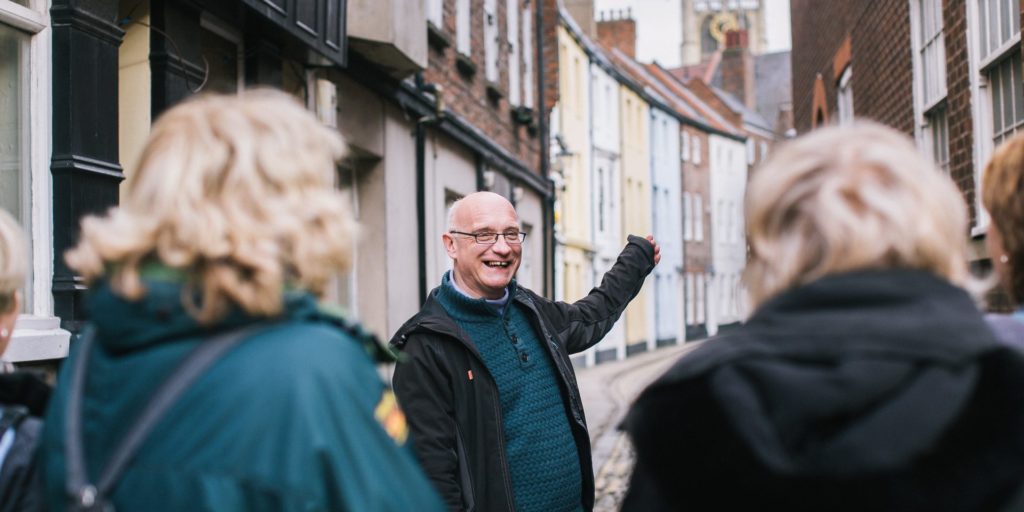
(728, 169)
(667, 216)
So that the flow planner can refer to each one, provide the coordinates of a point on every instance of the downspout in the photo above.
(421, 173)
(545, 164)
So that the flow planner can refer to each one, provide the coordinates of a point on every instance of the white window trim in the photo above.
(526, 24)
(844, 98)
(698, 217)
(463, 27)
(37, 335)
(920, 109)
(981, 116)
(435, 13)
(489, 19)
(512, 39)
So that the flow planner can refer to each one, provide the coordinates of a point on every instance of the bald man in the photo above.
(485, 381)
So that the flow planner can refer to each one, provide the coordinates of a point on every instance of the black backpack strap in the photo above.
(11, 417)
(85, 495)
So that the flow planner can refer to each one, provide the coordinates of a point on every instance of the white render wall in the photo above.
(606, 200)
(666, 210)
(728, 169)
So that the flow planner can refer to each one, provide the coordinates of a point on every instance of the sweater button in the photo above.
(524, 357)
(515, 340)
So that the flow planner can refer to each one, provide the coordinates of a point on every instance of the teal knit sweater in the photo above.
(542, 456)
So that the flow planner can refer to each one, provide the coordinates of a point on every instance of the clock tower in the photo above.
(705, 23)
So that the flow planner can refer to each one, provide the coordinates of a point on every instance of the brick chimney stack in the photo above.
(738, 68)
(582, 12)
(617, 29)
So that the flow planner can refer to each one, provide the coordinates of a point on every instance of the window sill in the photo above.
(37, 338)
(437, 38)
(465, 65)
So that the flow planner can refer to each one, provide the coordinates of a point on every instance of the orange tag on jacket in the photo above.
(469, 373)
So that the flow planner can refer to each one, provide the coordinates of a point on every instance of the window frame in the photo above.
(844, 97)
(463, 27)
(512, 40)
(36, 210)
(37, 335)
(980, 64)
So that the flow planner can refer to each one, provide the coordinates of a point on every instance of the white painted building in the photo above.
(666, 211)
(728, 169)
(606, 199)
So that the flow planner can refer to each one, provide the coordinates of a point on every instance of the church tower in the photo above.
(705, 23)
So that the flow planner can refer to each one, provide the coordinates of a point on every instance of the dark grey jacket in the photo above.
(456, 423)
(872, 390)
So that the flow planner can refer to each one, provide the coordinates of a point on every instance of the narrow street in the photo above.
(607, 391)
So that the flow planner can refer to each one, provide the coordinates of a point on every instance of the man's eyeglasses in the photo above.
(511, 237)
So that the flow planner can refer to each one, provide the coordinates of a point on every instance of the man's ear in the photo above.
(449, 244)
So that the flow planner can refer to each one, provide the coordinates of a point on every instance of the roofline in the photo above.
(596, 56)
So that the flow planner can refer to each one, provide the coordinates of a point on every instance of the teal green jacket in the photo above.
(296, 418)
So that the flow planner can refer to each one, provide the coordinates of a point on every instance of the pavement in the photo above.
(607, 391)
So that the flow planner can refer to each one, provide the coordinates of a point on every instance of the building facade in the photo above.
(429, 113)
(946, 72)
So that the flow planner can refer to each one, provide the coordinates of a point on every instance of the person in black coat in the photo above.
(866, 378)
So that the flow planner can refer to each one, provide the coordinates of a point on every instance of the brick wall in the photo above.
(958, 100)
(882, 63)
(737, 68)
(466, 94)
(818, 31)
(618, 33)
(550, 64)
(697, 254)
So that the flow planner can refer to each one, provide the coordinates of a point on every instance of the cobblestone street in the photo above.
(607, 392)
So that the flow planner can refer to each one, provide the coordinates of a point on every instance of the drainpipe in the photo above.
(421, 172)
(545, 164)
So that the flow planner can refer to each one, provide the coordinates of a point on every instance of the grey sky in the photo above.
(659, 27)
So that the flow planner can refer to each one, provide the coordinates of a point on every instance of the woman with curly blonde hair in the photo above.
(230, 228)
(1002, 194)
(866, 378)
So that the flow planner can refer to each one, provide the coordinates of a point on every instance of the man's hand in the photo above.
(657, 250)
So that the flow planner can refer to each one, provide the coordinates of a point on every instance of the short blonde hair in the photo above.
(1002, 193)
(851, 198)
(237, 191)
(13, 260)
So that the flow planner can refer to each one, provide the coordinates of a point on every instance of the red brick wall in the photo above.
(696, 180)
(618, 33)
(958, 100)
(882, 64)
(551, 23)
(881, 60)
(818, 30)
(466, 95)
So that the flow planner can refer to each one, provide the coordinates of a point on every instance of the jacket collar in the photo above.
(901, 314)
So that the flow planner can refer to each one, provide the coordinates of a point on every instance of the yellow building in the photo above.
(636, 205)
(573, 216)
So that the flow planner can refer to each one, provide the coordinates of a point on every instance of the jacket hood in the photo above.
(123, 326)
(850, 374)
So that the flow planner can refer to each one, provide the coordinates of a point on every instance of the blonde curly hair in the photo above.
(13, 261)
(851, 198)
(235, 191)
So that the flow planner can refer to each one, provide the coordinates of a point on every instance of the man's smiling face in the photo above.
(482, 270)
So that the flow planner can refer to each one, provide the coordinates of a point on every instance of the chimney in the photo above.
(617, 29)
(737, 68)
(582, 12)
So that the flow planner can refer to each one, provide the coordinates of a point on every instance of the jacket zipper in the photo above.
(502, 457)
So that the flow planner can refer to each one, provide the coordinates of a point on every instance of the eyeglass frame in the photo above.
(519, 239)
